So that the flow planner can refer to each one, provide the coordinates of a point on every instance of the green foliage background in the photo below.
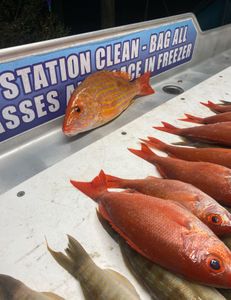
(27, 21)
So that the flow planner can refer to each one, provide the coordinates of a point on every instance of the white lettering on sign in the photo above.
(159, 41)
(52, 99)
(40, 106)
(180, 35)
(51, 66)
(26, 108)
(11, 89)
(40, 79)
(25, 80)
(8, 114)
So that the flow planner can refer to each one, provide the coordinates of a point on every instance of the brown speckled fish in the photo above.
(100, 98)
(13, 289)
(96, 283)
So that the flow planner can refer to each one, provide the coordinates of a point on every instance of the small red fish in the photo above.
(164, 232)
(100, 98)
(216, 217)
(223, 117)
(214, 180)
(219, 133)
(220, 156)
(218, 108)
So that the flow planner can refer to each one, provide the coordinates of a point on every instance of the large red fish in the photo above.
(218, 108)
(216, 217)
(223, 117)
(220, 156)
(100, 98)
(219, 133)
(214, 180)
(164, 232)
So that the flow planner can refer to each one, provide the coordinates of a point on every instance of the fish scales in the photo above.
(209, 211)
(199, 174)
(101, 97)
(220, 156)
(164, 232)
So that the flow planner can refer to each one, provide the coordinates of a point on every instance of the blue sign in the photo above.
(36, 89)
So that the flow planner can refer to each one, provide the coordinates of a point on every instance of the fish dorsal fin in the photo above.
(52, 296)
(123, 280)
(123, 75)
(105, 215)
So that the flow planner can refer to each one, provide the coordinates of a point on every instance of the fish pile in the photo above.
(175, 231)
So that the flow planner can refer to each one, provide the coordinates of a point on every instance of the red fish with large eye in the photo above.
(163, 231)
(216, 217)
(214, 180)
(101, 97)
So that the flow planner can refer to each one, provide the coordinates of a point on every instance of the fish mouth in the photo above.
(69, 131)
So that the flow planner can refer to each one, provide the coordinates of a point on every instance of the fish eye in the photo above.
(215, 264)
(214, 219)
(77, 109)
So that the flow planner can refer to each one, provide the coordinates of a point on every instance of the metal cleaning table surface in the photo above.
(51, 207)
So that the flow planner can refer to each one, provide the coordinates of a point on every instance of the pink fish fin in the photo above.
(155, 143)
(121, 74)
(192, 119)
(114, 182)
(144, 85)
(104, 215)
(168, 128)
(186, 198)
(144, 153)
(93, 189)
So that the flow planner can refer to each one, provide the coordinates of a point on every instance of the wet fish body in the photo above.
(164, 232)
(212, 179)
(100, 98)
(13, 289)
(95, 282)
(218, 108)
(160, 283)
(222, 117)
(216, 217)
(219, 133)
(220, 156)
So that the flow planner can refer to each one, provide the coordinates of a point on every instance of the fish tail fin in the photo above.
(75, 258)
(94, 188)
(155, 143)
(144, 153)
(210, 104)
(168, 128)
(192, 119)
(114, 182)
(63, 260)
(144, 85)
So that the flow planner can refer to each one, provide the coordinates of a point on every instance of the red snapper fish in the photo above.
(219, 133)
(165, 232)
(220, 156)
(218, 108)
(215, 216)
(100, 98)
(214, 180)
(223, 117)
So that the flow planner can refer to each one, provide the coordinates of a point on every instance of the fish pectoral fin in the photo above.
(121, 74)
(184, 197)
(123, 280)
(105, 215)
(52, 296)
